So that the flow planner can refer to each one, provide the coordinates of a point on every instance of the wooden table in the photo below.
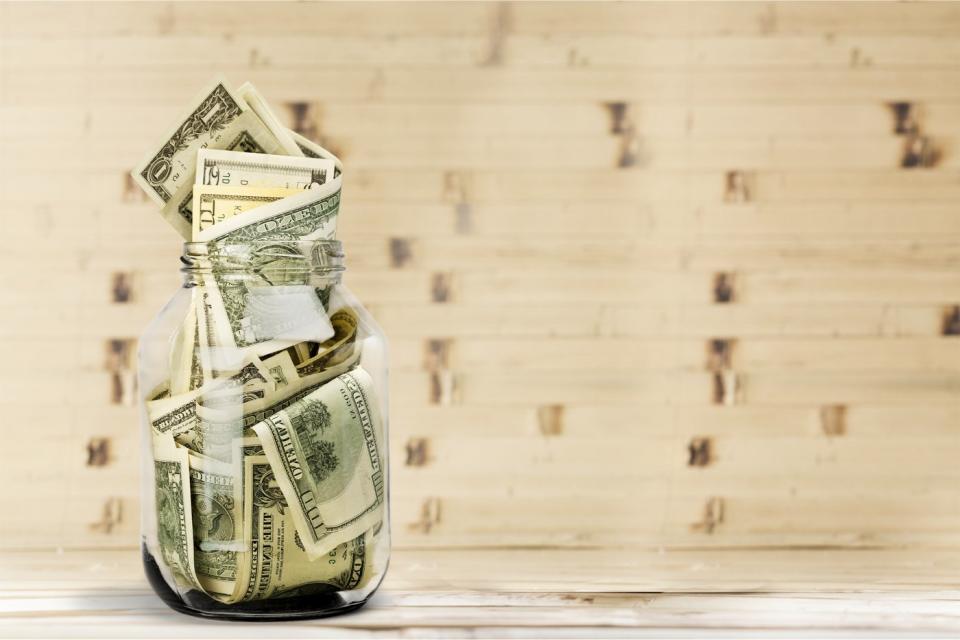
(528, 593)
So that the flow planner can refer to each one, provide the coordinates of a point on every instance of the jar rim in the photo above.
(320, 256)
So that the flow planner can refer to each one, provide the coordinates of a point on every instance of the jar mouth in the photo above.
(320, 257)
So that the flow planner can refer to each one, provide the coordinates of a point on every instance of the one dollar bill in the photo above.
(217, 525)
(174, 510)
(220, 119)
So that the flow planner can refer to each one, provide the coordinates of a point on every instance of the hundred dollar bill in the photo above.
(325, 452)
(213, 204)
(217, 524)
(311, 149)
(277, 566)
(174, 511)
(260, 107)
(220, 119)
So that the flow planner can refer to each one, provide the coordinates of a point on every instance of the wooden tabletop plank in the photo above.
(503, 594)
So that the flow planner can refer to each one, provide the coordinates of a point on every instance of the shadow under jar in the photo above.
(264, 413)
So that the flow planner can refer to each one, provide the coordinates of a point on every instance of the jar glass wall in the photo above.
(264, 411)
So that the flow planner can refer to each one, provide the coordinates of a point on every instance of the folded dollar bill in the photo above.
(259, 106)
(276, 565)
(219, 119)
(326, 452)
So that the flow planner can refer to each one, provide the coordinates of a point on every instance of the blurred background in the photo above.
(657, 278)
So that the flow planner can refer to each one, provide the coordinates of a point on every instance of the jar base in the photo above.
(198, 604)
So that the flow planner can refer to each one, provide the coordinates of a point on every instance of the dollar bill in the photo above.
(325, 449)
(276, 565)
(260, 410)
(213, 204)
(300, 352)
(177, 414)
(179, 355)
(160, 391)
(215, 430)
(259, 106)
(185, 371)
(311, 149)
(257, 312)
(311, 215)
(310, 357)
(337, 348)
(174, 511)
(217, 524)
(220, 119)
(248, 446)
(206, 330)
(230, 168)
(250, 315)
(282, 368)
(195, 375)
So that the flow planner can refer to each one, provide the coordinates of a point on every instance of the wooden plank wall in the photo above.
(654, 275)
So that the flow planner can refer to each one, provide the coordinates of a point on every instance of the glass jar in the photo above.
(264, 409)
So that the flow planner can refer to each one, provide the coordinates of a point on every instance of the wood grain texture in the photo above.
(524, 593)
(688, 275)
